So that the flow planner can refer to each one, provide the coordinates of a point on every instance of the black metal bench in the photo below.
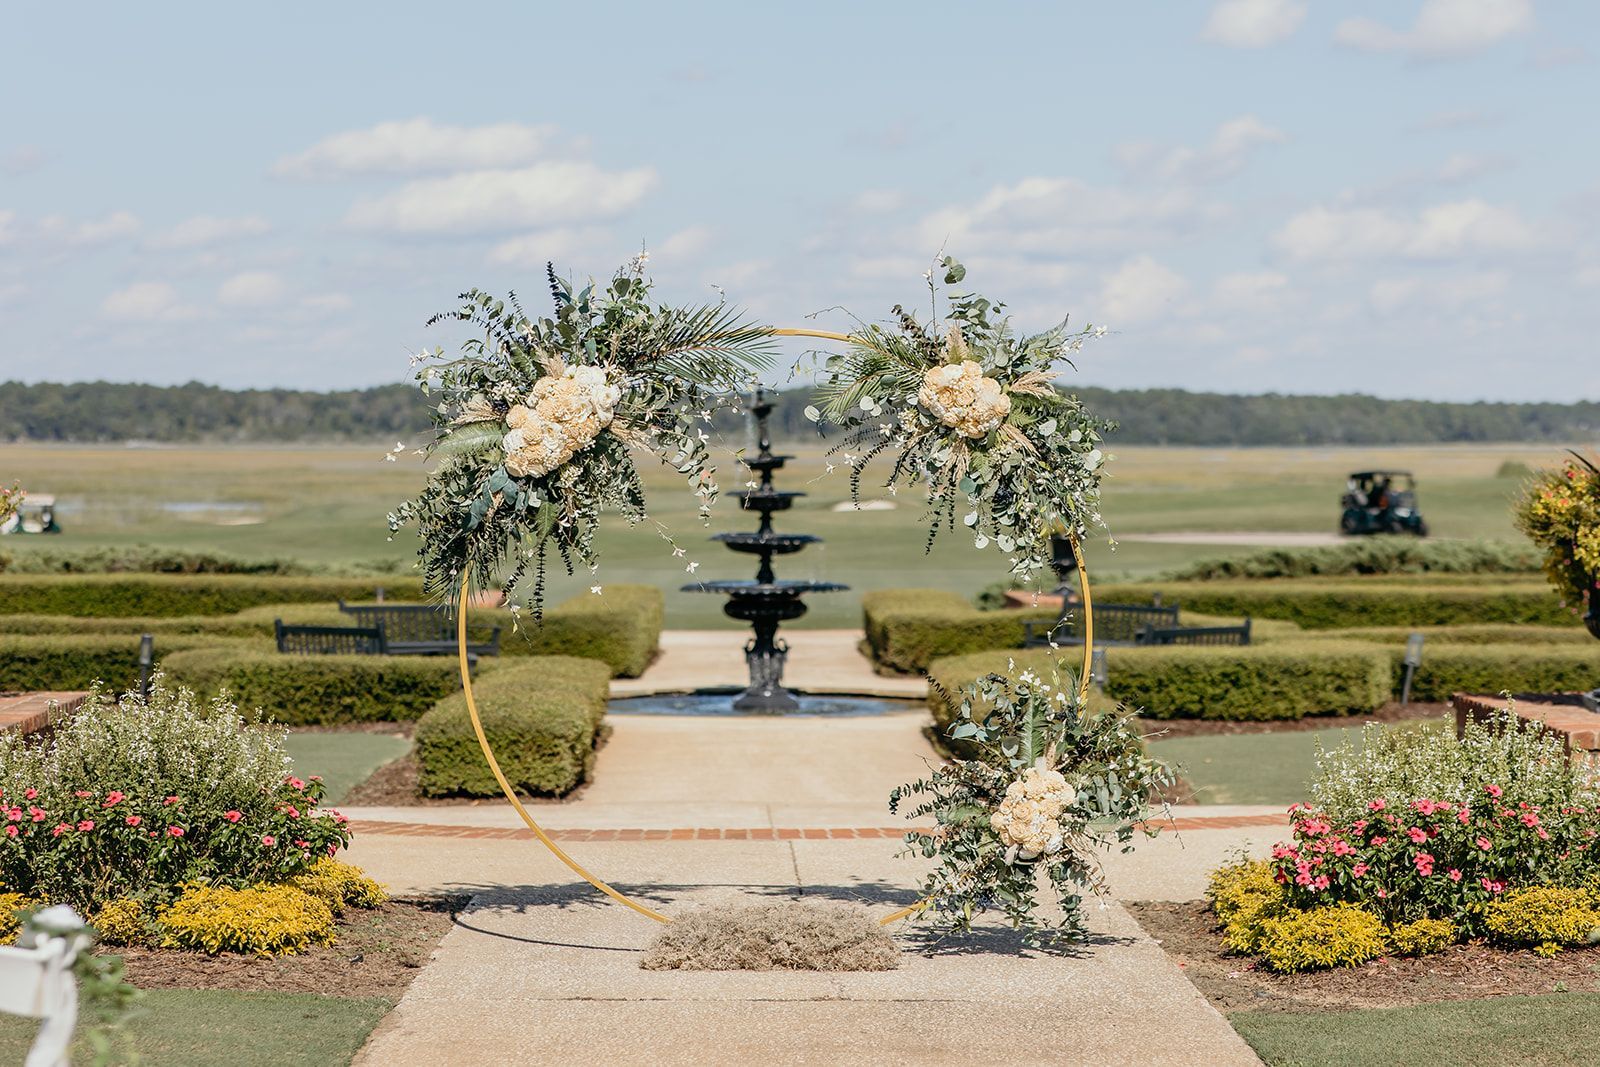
(1195, 635)
(1114, 624)
(329, 640)
(418, 629)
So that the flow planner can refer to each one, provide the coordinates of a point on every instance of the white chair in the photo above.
(36, 981)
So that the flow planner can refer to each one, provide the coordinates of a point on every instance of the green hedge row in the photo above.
(540, 716)
(1489, 669)
(320, 690)
(1477, 634)
(907, 629)
(1338, 604)
(167, 595)
(622, 627)
(77, 661)
(1258, 682)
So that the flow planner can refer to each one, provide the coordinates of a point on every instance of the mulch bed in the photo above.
(1187, 931)
(1390, 712)
(377, 954)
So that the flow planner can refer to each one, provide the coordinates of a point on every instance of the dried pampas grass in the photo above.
(786, 936)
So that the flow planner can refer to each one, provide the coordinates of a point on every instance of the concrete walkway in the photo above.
(686, 812)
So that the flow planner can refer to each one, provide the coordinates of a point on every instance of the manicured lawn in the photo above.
(342, 759)
(204, 1028)
(327, 505)
(1270, 768)
(1542, 1031)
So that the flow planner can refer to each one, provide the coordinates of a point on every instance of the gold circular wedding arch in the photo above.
(578, 868)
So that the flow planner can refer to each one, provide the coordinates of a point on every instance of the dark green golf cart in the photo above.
(1377, 502)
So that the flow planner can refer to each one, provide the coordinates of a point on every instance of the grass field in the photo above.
(327, 506)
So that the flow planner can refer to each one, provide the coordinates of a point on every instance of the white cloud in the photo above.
(256, 288)
(417, 146)
(1253, 23)
(1054, 217)
(1333, 234)
(683, 245)
(146, 302)
(1443, 28)
(1139, 289)
(487, 200)
(1223, 156)
(1464, 166)
(57, 229)
(1391, 295)
(204, 230)
(1248, 292)
(532, 251)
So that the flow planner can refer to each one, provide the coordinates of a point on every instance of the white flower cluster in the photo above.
(562, 416)
(1029, 818)
(958, 395)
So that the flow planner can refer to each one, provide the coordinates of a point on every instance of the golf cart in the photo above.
(1376, 502)
(36, 514)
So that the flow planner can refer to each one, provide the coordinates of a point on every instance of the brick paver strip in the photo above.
(750, 833)
(31, 712)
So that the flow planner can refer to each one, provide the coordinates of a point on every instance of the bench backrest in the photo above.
(1196, 635)
(1118, 622)
(404, 623)
(329, 640)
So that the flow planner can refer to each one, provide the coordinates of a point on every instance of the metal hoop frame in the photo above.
(578, 868)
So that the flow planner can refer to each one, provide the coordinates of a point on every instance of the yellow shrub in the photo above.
(121, 922)
(268, 920)
(1422, 936)
(1338, 936)
(10, 925)
(1545, 917)
(338, 884)
(1243, 896)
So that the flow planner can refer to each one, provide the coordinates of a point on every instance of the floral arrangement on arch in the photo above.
(1048, 785)
(10, 500)
(539, 419)
(1559, 510)
(971, 410)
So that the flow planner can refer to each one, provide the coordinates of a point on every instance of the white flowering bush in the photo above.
(1049, 786)
(538, 421)
(969, 409)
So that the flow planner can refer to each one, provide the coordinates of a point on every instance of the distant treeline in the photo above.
(109, 412)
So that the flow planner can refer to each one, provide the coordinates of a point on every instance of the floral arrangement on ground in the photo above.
(537, 421)
(1044, 785)
(172, 821)
(1413, 841)
(971, 411)
(1559, 510)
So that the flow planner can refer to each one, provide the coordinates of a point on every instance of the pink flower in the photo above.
(1494, 790)
(1341, 847)
(1281, 851)
(300, 844)
(339, 818)
(1377, 805)
(1379, 840)
(333, 850)
(1455, 875)
(294, 783)
(30, 794)
(1417, 834)
(1382, 893)
(37, 813)
(1424, 863)
(1359, 870)
(11, 831)
(1483, 843)
(1493, 887)
(113, 798)
(1529, 818)
(169, 801)
(86, 825)
(133, 820)
(232, 816)
(82, 794)
(174, 831)
(1463, 816)
(268, 840)
(60, 829)
(14, 814)
(1320, 882)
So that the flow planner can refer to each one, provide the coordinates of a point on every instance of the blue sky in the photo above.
(1397, 198)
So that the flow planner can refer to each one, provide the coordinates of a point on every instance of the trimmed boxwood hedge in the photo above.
(540, 715)
(1485, 634)
(1258, 682)
(1489, 669)
(76, 661)
(909, 628)
(126, 595)
(1336, 604)
(320, 690)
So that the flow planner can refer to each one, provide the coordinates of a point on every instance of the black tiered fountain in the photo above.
(766, 601)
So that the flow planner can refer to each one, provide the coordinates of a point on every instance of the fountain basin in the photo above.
(775, 544)
(715, 703)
